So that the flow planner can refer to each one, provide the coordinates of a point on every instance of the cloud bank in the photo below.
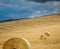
(12, 9)
(42, 0)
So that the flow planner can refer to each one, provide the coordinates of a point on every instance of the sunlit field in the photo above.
(32, 29)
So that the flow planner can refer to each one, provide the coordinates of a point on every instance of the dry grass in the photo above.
(32, 29)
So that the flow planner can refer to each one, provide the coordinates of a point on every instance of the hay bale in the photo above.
(16, 43)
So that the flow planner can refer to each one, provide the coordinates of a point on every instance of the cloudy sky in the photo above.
(15, 9)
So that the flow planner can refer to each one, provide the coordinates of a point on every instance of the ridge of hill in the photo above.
(41, 21)
(29, 18)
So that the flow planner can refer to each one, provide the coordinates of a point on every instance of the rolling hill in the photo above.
(31, 29)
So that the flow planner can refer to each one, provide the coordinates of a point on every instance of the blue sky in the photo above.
(15, 9)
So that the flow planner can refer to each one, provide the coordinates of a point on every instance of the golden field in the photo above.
(31, 29)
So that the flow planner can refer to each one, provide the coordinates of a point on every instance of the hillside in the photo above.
(31, 22)
(31, 29)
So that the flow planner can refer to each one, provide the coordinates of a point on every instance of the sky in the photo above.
(15, 9)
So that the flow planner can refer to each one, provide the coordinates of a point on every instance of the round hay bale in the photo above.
(44, 36)
(16, 43)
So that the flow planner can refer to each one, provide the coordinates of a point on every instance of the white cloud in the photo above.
(56, 11)
(17, 4)
(42, 8)
(50, 7)
(45, 11)
(15, 16)
(38, 12)
(56, 6)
